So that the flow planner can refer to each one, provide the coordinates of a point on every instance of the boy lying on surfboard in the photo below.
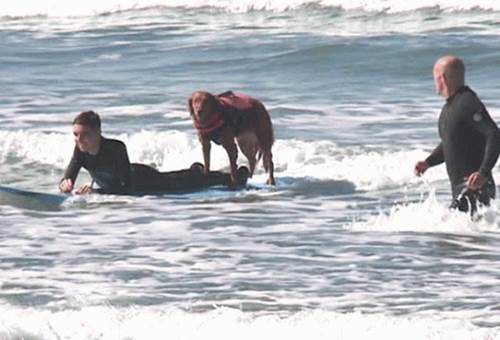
(108, 164)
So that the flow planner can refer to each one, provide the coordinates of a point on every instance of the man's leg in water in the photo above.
(194, 178)
(222, 178)
(147, 179)
(467, 201)
(184, 179)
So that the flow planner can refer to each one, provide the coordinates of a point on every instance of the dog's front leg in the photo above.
(205, 145)
(232, 152)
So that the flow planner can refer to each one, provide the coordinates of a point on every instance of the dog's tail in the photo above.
(265, 135)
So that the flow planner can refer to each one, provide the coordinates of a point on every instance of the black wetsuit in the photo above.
(114, 174)
(470, 142)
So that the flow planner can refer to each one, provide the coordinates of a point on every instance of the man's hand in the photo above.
(421, 167)
(85, 189)
(475, 181)
(66, 185)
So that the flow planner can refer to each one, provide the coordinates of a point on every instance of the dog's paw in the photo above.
(242, 175)
(271, 181)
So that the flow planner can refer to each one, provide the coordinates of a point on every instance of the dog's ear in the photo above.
(214, 103)
(190, 105)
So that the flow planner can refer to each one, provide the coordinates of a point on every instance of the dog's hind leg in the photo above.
(269, 166)
(249, 147)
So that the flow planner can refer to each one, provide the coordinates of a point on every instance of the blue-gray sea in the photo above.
(348, 245)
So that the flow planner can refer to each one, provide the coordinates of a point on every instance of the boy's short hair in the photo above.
(88, 118)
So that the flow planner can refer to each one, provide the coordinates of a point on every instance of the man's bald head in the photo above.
(449, 75)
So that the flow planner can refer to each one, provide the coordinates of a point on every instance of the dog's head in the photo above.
(201, 105)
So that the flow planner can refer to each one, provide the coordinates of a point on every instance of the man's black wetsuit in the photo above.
(470, 142)
(114, 174)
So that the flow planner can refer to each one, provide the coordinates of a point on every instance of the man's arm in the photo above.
(120, 168)
(68, 181)
(481, 121)
(436, 157)
(124, 169)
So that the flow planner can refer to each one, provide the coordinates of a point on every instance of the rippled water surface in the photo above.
(347, 245)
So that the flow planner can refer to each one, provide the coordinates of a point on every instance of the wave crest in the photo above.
(27, 8)
(226, 323)
(172, 150)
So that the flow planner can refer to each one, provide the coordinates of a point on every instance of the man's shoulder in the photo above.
(469, 102)
(467, 95)
(112, 143)
(78, 154)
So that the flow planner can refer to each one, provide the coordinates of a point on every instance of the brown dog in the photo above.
(229, 117)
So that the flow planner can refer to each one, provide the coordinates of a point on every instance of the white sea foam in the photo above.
(46, 148)
(224, 323)
(104, 57)
(428, 216)
(23, 8)
(320, 160)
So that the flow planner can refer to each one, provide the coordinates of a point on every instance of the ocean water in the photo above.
(347, 245)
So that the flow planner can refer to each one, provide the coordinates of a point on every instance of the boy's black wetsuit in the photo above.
(114, 174)
(470, 142)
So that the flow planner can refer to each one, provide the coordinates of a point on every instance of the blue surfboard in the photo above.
(32, 200)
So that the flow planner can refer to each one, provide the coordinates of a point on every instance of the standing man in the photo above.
(470, 140)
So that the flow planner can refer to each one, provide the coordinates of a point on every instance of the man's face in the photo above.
(439, 80)
(87, 139)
